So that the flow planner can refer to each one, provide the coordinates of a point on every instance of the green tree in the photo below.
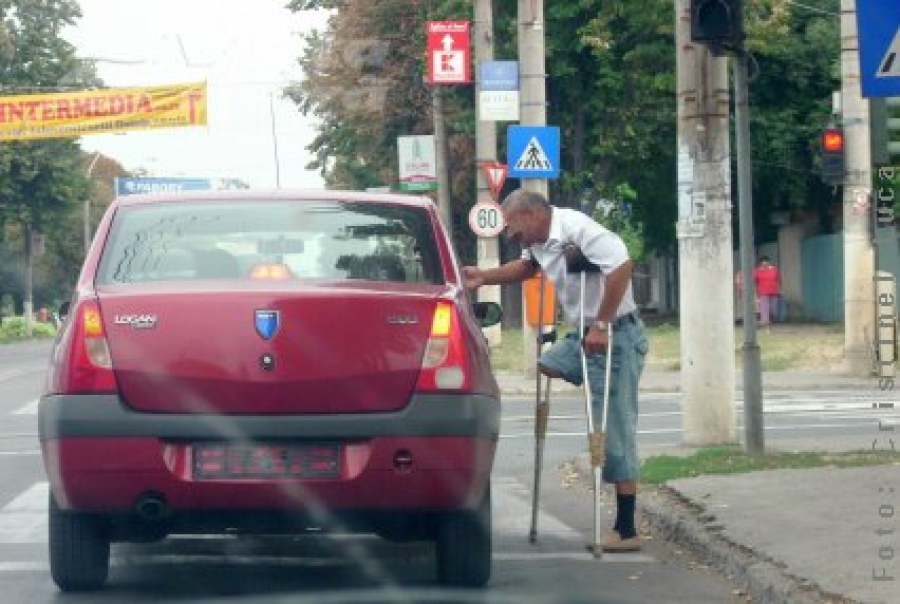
(610, 88)
(40, 181)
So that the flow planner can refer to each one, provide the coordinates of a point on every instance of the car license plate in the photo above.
(266, 460)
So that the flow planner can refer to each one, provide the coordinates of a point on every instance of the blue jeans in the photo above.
(629, 349)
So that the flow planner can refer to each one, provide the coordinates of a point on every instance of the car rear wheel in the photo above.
(463, 546)
(79, 550)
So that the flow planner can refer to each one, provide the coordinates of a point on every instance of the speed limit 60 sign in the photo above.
(486, 219)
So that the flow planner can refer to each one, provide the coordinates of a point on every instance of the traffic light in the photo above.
(833, 155)
(718, 23)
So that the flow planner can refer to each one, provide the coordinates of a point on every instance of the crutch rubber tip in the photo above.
(595, 548)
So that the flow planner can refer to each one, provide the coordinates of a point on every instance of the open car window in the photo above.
(336, 241)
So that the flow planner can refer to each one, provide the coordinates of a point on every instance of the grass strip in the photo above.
(658, 469)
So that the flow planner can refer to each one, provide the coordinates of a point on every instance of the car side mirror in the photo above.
(487, 313)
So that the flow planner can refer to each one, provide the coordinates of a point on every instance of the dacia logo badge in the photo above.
(267, 323)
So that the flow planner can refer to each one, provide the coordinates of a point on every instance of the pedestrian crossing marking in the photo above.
(533, 157)
(24, 519)
(28, 408)
(890, 64)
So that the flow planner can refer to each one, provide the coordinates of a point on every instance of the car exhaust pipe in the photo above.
(152, 506)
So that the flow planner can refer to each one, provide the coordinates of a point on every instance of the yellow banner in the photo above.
(73, 114)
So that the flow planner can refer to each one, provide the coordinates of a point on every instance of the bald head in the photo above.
(527, 215)
(520, 200)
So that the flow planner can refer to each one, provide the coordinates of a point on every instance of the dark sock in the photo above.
(625, 516)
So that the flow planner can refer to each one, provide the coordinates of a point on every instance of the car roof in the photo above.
(277, 194)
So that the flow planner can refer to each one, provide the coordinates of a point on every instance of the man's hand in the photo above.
(595, 341)
(474, 277)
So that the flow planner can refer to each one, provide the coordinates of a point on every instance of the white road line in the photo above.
(14, 373)
(24, 519)
(28, 408)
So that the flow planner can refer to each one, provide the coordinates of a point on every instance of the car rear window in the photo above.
(189, 240)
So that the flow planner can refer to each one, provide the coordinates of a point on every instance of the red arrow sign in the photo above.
(495, 175)
(448, 52)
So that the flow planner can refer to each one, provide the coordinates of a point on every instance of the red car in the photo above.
(270, 362)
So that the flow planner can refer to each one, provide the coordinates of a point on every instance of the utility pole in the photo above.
(87, 205)
(533, 112)
(754, 434)
(29, 280)
(704, 239)
(859, 260)
(485, 151)
(275, 157)
(440, 159)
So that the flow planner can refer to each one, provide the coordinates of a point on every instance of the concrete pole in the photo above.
(704, 240)
(753, 410)
(29, 281)
(87, 206)
(485, 151)
(859, 267)
(532, 112)
(440, 158)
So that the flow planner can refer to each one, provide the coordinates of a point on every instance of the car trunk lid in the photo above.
(336, 348)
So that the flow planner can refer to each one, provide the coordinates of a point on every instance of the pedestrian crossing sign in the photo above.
(878, 23)
(532, 151)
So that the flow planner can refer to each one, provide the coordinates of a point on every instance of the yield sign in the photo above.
(495, 175)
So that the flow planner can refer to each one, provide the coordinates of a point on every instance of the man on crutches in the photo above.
(545, 233)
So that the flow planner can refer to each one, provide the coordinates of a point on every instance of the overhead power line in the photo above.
(814, 9)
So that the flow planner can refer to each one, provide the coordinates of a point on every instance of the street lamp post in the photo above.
(87, 206)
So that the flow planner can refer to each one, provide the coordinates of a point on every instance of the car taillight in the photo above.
(87, 365)
(445, 365)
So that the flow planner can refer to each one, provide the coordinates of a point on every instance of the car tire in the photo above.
(463, 546)
(79, 550)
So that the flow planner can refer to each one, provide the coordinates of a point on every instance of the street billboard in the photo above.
(137, 185)
(418, 163)
(74, 114)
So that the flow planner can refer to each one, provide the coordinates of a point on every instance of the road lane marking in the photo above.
(28, 408)
(24, 519)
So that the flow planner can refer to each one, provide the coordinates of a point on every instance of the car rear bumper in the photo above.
(102, 457)
(106, 416)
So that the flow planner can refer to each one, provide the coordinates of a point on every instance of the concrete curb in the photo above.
(675, 519)
(679, 521)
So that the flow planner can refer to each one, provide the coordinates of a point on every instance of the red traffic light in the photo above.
(833, 140)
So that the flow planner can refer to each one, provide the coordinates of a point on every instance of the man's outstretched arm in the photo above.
(511, 272)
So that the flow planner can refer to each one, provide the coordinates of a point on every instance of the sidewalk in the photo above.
(788, 536)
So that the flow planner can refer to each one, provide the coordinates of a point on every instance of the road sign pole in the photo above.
(486, 151)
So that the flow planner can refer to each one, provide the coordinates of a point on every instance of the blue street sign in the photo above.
(133, 186)
(499, 75)
(532, 151)
(878, 23)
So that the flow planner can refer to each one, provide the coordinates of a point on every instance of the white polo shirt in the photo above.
(600, 246)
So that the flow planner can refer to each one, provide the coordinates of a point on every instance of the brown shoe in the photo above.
(615, 543)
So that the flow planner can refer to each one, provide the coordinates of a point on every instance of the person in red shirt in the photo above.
(766, 278)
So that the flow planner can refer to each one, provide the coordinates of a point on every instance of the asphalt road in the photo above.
(359, 569)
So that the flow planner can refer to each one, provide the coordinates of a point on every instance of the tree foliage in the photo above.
(40, 181)
(610, 88)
